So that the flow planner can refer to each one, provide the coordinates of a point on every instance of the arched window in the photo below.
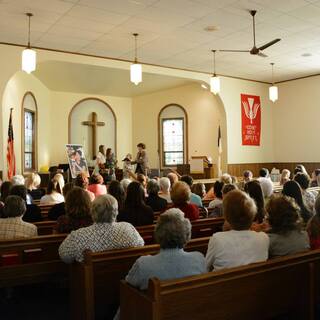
(173, 135)
(29, 132)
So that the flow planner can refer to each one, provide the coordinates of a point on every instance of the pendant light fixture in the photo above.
(29, 56)
(273, 90)
(214, 80)
(135, 68)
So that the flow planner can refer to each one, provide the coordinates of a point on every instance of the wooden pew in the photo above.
(45, 209)
(95, 282)
(32, 260)
(285, 287)
(200, 228)
(45, 227)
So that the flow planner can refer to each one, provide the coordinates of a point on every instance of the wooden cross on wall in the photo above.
(94, 123)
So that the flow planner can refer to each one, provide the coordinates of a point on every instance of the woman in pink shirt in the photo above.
(96, 185)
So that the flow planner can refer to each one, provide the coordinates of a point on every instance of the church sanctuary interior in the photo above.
(158, 159)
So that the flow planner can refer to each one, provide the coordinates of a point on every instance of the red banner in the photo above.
(251, 120)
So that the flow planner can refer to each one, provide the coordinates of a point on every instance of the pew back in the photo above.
(284, 286)
(24, 261)
(45, 227)
(95, 282)
(200, 228)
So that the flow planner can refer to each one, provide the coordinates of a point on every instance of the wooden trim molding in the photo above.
(236, 169)
(160, 151)
(35, 133)
(130, 61)
(107, 106)
(154, 65)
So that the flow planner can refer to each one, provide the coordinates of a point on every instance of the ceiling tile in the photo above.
(59, 30)
(184, 7)
(123, 7)
(99, 15)
(84, 24)
(284, 6)
(171, 32)
(309, 14)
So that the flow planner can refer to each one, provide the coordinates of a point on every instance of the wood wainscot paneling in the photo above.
(236, 169)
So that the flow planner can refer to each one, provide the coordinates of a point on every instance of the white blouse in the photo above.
(53, 198)
(233, 248)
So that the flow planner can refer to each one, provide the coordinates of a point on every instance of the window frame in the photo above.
(34, 134)
(162, 138)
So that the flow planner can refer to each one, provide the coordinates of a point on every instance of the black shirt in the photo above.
(156, 203)
(137, 216)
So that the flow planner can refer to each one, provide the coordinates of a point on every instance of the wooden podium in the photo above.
(199, 168)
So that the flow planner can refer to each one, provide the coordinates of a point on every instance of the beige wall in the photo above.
(62, 103)
(231, 90)
(53, 113)
(203, 108)
(15, 90)
(296, 116)
(204, 111)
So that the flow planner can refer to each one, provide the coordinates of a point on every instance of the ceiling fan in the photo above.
(255, 50)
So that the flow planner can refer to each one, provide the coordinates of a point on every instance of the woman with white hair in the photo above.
(32, 183)
(165, 186)
(172, 232)
(104, 234)
(17, 180)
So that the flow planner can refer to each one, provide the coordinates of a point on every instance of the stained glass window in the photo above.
(29, 145)
(173, 141)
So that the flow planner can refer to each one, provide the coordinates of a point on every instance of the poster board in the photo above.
(77, 159)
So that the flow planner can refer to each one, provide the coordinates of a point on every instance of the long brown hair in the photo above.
(78, 204)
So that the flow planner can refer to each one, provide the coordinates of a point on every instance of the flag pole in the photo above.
(11, 159)
(219, 151)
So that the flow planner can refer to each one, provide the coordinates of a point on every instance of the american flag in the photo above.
(11, 160)
(219, 152)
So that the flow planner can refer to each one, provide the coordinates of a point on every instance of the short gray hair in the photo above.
(165, 184)
(17, 180)
(226, 178)
(104, 209)
(173, 230)
(14, 206)
(153, 186)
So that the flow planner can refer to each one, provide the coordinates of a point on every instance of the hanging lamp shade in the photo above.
(215, 84)
(136, 73)
(214, 80)
(29, 56)
(135, 68)
(273, 90)
(29, 60)
(273, 93)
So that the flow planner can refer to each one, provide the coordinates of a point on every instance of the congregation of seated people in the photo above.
(259, 224)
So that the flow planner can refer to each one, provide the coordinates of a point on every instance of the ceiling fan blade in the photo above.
(260, 54)
(265, 46)
(234, 50)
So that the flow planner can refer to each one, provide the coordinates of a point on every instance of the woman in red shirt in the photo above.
(180, 196)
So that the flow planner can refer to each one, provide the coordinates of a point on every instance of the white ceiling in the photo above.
(74, 77)
(171, 32)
